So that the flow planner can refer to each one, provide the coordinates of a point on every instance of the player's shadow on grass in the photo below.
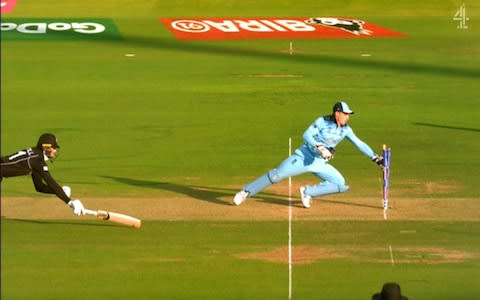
(447, 127)
(338, 61)
(56, 222)
(204, 193)
(337, 202)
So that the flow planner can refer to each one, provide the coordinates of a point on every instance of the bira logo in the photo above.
(274, 28)
(58, 29)
(7, 5)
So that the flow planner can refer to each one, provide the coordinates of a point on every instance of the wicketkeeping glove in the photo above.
(77, 207)
(379, 160)
(326, 153)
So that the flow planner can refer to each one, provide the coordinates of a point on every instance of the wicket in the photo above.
(386, 178)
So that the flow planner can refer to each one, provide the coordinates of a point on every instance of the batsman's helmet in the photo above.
(47, 140)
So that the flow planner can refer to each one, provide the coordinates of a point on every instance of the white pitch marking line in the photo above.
(391, 255)
(130, 55)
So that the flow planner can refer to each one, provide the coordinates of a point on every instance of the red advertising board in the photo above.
(7, 6)
(274, 28)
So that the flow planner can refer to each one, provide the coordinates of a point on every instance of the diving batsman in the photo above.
(33, 161)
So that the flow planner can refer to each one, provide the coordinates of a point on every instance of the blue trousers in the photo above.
(300, 162)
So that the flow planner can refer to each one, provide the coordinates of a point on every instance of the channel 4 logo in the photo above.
(461, 17)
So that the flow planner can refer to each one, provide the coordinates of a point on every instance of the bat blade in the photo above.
(124, 219)
(118, 218)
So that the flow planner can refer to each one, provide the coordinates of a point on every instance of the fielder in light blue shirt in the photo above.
(320, 140)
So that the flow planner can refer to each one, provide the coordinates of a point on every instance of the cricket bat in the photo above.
(114, 217)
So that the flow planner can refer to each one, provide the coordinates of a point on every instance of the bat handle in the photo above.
(90, 212)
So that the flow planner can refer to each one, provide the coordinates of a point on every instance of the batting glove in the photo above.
(379, 160)
(77, 207)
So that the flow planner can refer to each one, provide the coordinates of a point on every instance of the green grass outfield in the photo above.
(180, 115)
(216, 260)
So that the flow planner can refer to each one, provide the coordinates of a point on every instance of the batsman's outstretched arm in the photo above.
(44, 183)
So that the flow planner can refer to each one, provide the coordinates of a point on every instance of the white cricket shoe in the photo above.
(306, 199)
(240, 197)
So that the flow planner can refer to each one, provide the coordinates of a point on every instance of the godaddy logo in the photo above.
(14, 29)
(39, 28)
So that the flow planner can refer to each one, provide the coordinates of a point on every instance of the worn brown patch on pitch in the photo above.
(437, 187)
(300, 255)
(405, 255)
(213, 203)
(426, 188)
(264, 207)
(426, 255)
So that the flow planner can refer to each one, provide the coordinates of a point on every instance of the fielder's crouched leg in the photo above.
(263, 182)
(325, 188)
(257, 186)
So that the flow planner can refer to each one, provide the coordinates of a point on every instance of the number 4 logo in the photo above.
(461, 16)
